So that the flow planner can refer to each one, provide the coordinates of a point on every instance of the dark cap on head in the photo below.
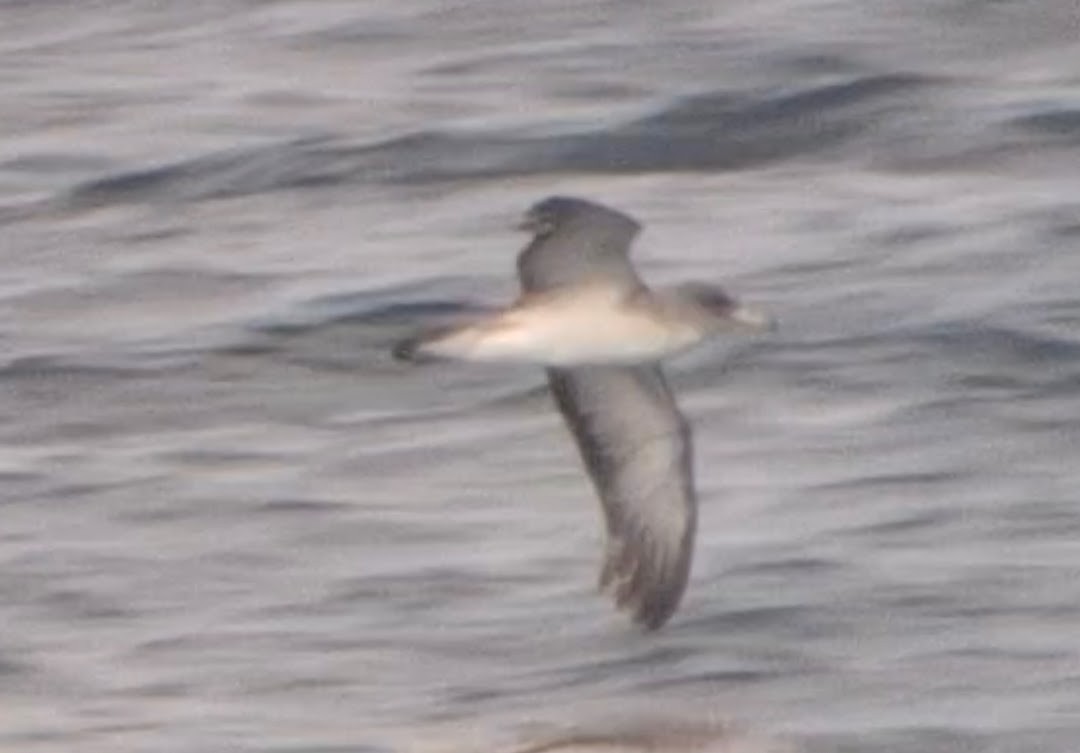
(721, 308)
(712, 298)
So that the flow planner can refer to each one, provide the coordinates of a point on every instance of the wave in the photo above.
(714, 130)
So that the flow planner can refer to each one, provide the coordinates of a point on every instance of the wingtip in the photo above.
(652, 615)
(649, 592)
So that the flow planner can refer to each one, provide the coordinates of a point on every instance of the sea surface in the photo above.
(229, 521)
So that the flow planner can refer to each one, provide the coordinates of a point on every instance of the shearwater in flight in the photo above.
(586, 316)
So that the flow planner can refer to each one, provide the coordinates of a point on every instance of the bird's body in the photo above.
(597, 324)
(586, 316)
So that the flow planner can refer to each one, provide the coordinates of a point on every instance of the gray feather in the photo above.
(636, 447)
(577, 242)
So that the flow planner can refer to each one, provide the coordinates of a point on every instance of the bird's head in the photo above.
(721, 311)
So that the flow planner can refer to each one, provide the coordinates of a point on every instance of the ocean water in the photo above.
(230, 522)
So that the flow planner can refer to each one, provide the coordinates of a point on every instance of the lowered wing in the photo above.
(636, 448)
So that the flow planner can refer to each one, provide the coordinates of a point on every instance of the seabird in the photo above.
(586, 316)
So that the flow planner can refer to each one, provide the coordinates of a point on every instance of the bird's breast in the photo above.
(571, 331)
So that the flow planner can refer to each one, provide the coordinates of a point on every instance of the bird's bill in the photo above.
(743, 316)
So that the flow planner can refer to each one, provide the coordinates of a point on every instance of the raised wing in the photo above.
(576, 242)
(636, 448)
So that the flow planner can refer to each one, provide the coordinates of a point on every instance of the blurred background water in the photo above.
(228, 521)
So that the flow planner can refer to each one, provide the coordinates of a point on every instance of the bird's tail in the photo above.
(407, 350)
(415, 349)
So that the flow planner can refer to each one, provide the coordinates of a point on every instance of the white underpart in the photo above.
(583, 327)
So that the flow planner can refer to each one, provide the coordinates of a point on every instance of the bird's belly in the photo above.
(569, 338)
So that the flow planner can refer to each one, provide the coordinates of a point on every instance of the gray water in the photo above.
(229, 522)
